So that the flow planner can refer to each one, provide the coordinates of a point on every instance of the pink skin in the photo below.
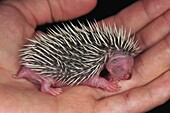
(47, 84)
(118, 65)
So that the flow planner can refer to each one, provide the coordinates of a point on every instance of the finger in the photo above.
(139, 14)
(37, 12)
(154, 31)
(140, 99)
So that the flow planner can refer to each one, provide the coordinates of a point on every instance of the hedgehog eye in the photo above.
(104, 73)
(125, 53)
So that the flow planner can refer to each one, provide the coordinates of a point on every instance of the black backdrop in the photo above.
(104, 9)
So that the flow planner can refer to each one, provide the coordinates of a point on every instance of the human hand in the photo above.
(141, 93)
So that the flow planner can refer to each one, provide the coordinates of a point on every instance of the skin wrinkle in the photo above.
(168, 86)
(168, 83)
(146, 11)
(138, 72)
(119, 21)
(37, 17)
(155, 9)
(123, 105)
(52, 17)
(150, 94)
(168, 45)
(166, 18)
(124, 108)
(126, 98)
(147, 96)
(60, 10)
(63, 9)
(32, 14)
(131, 97)
(143, 44)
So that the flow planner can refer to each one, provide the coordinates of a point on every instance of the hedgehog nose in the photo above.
(127, 76)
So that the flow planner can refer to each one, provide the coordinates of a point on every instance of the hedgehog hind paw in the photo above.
(46, 83)
(51, 90)
(46, 87)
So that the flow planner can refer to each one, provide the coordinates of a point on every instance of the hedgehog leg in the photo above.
(46, 83)
(101, 82)
(46, 88)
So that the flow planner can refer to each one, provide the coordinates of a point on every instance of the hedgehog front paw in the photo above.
(108, 85)
(102, 83)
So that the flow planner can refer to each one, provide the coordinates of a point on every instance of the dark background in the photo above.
(106, 8)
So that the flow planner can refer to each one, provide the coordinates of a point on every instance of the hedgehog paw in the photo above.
(108, 85)
(46, 87)
(52, 91)
(102, 83)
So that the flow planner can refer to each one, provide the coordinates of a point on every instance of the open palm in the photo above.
(149, 19)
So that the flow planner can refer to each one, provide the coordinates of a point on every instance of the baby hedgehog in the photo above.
(79, 55)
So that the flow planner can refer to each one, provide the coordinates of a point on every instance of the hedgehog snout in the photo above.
(120, 66)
